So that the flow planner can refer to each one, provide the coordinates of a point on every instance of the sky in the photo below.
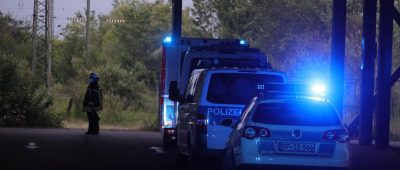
(23, 9)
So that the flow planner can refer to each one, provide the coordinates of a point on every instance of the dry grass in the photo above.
(81, 124)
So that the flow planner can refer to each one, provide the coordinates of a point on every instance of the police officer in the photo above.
(92, 103)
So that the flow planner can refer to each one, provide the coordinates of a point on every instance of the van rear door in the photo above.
(225, 98)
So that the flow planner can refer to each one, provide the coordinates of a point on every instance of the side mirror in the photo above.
(173, 91)
(227, 122)
(190, 99)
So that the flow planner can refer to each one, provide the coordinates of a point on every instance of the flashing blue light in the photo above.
(167, 39)
(319, 89)
(242, 42)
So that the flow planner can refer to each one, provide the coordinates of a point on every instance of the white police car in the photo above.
(288, 130)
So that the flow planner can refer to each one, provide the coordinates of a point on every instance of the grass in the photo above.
(115, 116)
(83, 124)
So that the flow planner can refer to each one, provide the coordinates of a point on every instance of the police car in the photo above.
(288, 129)
(212, 96)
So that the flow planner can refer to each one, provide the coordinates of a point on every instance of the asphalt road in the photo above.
(71, 149)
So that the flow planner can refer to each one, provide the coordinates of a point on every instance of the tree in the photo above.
(285, 30)
(205, 19)
(23, 101)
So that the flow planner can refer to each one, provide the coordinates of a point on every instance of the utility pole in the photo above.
(49, 37)
(42, 35)
(34, 34)
(176, 20)
(87, 32)
(384, 76)
(338, 54)
(368, 71)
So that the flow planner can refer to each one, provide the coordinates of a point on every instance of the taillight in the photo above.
(343, 136)
(162, 78)
(340, 135)
(329, 135)
(252, 132)
(161, 100)
(264, 132)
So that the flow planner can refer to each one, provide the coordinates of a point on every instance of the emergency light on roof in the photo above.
(167, 39)
(317, 91)
(242, 42)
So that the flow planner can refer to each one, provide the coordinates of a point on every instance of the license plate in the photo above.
(296, 147)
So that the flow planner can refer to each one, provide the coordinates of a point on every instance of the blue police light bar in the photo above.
(294, 89)
(319, 89)
(167, 39)
(242, 42)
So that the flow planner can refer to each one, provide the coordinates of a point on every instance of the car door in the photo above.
(237, 133)
(186, 112)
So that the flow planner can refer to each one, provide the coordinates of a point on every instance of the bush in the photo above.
(24, 101)
(128, 100)
(117, 114)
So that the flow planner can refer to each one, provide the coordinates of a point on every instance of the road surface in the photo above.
(68, 149)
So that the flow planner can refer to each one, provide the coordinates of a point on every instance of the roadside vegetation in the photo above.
(294, 34)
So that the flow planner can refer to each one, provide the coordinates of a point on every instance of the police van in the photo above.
(181, 57)
(212, 96)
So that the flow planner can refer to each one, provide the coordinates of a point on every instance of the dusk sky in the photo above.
(23, 9)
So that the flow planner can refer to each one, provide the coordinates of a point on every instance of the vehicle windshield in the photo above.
(237, 88)
(301, 114)
(199, 63)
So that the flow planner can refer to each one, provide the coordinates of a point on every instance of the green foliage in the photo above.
(14, 39)
(205, 19)
(290, 32)
(126, 56)
(23, 101)
(118, 113)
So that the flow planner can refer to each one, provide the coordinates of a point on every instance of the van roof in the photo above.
(224, 49)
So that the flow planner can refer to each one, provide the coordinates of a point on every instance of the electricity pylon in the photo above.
(42, 34)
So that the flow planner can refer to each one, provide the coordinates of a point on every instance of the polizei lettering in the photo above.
(224, 111)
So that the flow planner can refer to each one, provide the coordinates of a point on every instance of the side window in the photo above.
(199, 87)
(183, 54)
(191, 87)
(193, 64)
